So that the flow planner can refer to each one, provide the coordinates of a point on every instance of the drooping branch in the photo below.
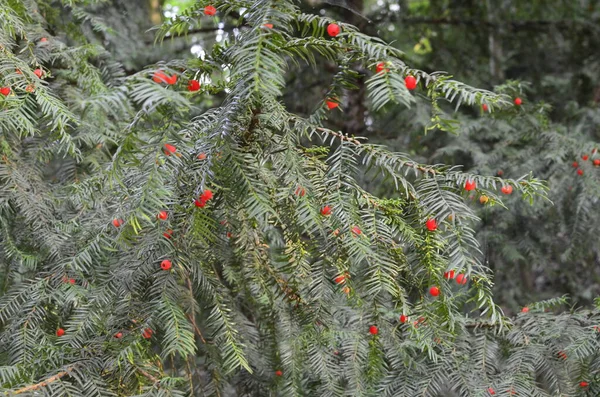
(44, 383)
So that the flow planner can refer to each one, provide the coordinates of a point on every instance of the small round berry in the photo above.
(434, 291)
(165, 265)
(597, 162)
(518, 101)
(162, 215)
(200, 203)
(39, 73)
(583, 384)
(169, 149)
(332, 105)
(356, 231)
(500, 173)
(484, 199)
(525, 310)
(118, 335)
(60, 332)
(461, 279)
(268, 25)
(470, 185)
(580, 172)
(193, 85)
(507, 189)
(403, 318)
(210, 11)
(333, 29)
(575, 164)
(373, 330)
(410, 82)
(449, 275)
(278, 373)
(202, 156)
(340, 279)
(585, 157)
(346, 290)
(168, 233)
(381, 67)
(491, 391)
(117, 222)
(326, 211)
(72, 281)
(484, 107)
(300, 191)
(431, 224)
(5, 91)
(147, 334)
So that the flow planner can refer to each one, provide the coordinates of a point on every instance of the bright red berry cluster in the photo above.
(204, 198)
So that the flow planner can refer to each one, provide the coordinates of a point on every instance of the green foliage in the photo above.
(91, 157)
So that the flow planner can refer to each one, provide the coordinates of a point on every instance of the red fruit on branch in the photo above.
(597, 162)
(583, 384)
(356, 231)
(331, 104)
(340, 279)
(403, 318)
(326, 211)
(434, 291)
(206, 195)
(193, 85)
(484, 107)
(575, 164)
(168, 233)
(162, 215)
(5, 91)
(508, 189)
(39, 73)
(169, 149)
(118, 335)
(449, 275)
(585, 157)
(410, 82)
(580, 172)
(491, 391)
(461, 279)
(202, 156)
(518, 101)
(278, 373)
(147, 334)
(562, 354)
(60, 332)
(200, 203)
(300, 191)
(333, 29)
(117, 222)
(381, 67)
(165, 265)
(373, 330)
(470, 185)
(72, 281)
(431, 224)
(43, 40)
(210, 11)
(525, 310)
(268, 25)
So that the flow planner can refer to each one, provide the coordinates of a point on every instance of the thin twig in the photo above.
(44, 383)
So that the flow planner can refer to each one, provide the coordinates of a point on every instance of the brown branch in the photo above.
(44, 383)
(154, 379)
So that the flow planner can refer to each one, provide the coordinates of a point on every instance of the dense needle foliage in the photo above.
(153, 247)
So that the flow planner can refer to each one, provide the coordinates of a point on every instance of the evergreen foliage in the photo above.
(151, 247)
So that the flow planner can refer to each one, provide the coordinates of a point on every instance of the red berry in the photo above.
(356, 230)
(434, 291)
(585, 157)
(43, 40)
(39, 73)
(340, 279)
(117, 222)
(72, 281)
(470, 185)
(431, 224)
(508, 189)
(268, 25)
(147, 334)
(583, 384)
(410, 82)
(403, 318)
(373, 330)
(518, 101)
(119, 335)
(332, 105)
(168, 233)
(580, 172)
(278, 373)
(562, 354)
(449, 275)
(461, 279)
(333, 29)
(575, 164)
(202, 156)
(200, 203)
(484, 107)
(162, 215)
(597, 162)
(210, 11)
(5, 91)
(159, 77)
(193, 85)
(500, 173)
(381, 67)
(169, 149)
(165, 265)
(300, 191)
(60, 332)
(326, 211)
(491, 391)
(206, 195)
(525, 310)
(229, 235)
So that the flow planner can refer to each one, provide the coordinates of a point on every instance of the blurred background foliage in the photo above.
(544, 52)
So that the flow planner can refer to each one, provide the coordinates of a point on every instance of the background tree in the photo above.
(152, 246)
